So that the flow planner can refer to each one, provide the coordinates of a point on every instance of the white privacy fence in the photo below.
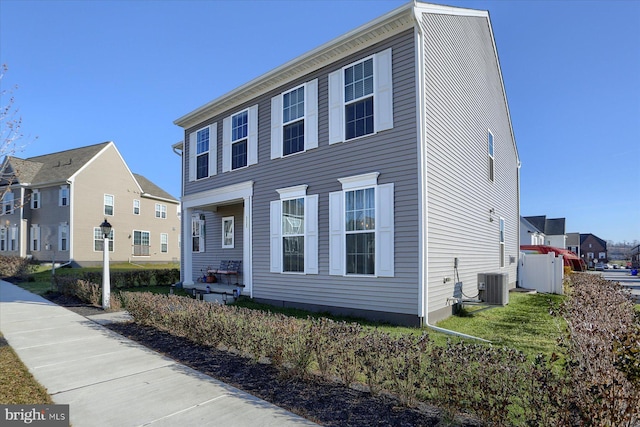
(542, 272)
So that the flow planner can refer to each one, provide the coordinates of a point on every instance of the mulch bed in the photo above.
(323, 402)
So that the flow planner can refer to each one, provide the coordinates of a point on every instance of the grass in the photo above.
(17, 385)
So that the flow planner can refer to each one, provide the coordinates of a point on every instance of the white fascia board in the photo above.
(218, 195)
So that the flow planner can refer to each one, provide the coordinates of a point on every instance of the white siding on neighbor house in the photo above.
(320, 169)
(463, 101)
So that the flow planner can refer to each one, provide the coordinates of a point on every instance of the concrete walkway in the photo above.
(109, 380)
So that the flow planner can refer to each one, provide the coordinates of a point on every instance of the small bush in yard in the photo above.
(15, 266)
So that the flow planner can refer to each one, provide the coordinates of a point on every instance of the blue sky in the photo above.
(123, 71)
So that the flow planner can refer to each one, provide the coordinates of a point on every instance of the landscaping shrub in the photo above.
(15, 266)
(86, 291)
(597, 385)
(135, 278)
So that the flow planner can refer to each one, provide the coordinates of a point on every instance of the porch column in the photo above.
(247, 252)
(187, 254)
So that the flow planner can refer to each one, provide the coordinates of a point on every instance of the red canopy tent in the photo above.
(569, 258)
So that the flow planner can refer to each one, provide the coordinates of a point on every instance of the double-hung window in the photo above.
(63, 236)
(136, 207)
(7, 203)
(361, 230)
(240, 139)
(98, 239)
(294, 120)
(294, 231)
(35, 237)
(63, 196)
(3, 239)
(161, 211)
(141, 243)
(13, 237)
(203, 152)
(490, 155)
(164, 243)
(35, 199)
(108, 204)
(361, 98)
(228, 226)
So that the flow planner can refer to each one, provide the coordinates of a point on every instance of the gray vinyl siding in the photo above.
(463, 99)
(392, 153)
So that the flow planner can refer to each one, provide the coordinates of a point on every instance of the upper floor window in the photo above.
(490, 154)
(240, 139)
(35, 199)
(7, 203)
(161, 211)
(136, 207)
(108, 204)
(361, 98)
(203, 152)
(294, 231)
(361, 238)
(63, 196)
(294, 120)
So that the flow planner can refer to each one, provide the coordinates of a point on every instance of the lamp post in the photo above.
(105, 227)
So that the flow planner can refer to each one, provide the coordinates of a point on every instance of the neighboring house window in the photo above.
(164, 243)
(197, 233)
(108, 204)
(98, 240)
(361, 98)
(490, 154)
(361, 227)
(502, 242)
(35, 237)
(63, 199)
(203, 152)
(294, 231)
(63, 237)
(35, 199)
(14, 237)
(141, 243)
(228, 232)
(3, 239)
(240, 139)
(161, 211)
(7, 203)
(294, 120)
(136, 207)
(602, 255)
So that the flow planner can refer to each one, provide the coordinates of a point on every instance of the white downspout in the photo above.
(423, 229)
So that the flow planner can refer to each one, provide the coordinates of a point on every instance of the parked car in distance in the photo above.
(600, 266)
(616, 266)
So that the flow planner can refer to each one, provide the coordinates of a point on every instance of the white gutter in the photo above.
(423, 229)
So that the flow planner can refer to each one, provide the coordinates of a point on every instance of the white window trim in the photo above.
(310, 120)
(35, 238)
(382, 97)
(491, 146)
(133, 243)
(310, 230)
(160, 211)
(384, 229)
(200, 220)
(63, 228)
(252, 139)
(136, 204)
(8, 200)
(225, 220)
(60, 198)
(502, 237)
(164, 240)
(213, 152)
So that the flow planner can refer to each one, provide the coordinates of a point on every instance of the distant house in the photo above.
(530, 234)
(593, 249)
(376, 175)
(55, 203)
(552, 228)
(573, 243)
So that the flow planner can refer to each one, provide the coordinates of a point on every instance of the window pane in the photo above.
(359, 118)
(360, 210)
(202, 166)
(239, 154)
(293, 216)
(293, 138)
(361, 253)
(202, 141)
(358, 80)
(293, 254)
(239, 127)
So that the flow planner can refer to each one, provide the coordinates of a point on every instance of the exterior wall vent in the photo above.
(493, 288)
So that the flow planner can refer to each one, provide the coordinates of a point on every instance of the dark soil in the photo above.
(324, 402)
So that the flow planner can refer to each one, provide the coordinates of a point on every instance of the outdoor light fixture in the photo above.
(105, 227)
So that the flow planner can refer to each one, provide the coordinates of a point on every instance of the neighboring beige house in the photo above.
(55, 204)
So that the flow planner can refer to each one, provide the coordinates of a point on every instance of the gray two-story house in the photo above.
(53, 205)
(376, 175)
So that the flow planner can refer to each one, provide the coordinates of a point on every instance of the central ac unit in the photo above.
(493, 288)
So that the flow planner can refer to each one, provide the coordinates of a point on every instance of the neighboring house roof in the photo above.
(584, 237)
(528, 224)
(152, 190)
(550, 227)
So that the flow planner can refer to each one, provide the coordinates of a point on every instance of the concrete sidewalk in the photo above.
(109, 380)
